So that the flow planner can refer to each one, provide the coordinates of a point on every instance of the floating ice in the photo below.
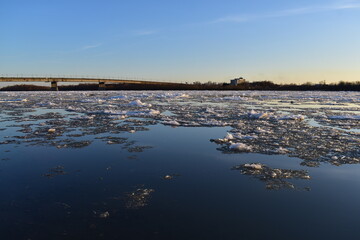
(138, 103)
(256, 115)
(83, 118)
(281, 150)
(104, 215)
(241, 147)
(138, 198)
(345, 117)
(292, 117)
(172, 95)
(173, 123)
(229, 136)
(51, 130)
(118, 97)
(234, 98)
(274, 178)
(267, 122)
(244, 137)
(256, 166)
(13, 100)
(110, 112)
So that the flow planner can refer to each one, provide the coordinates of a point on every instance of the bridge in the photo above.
(101, 81)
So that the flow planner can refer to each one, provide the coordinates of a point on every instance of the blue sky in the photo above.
(181, 40)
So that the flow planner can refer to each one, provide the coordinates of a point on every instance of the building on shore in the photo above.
(236, 81)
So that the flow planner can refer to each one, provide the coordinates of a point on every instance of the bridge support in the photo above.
(54, 86)
(102, 86)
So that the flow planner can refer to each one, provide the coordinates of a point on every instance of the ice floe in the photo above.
(255, 115)
(345, 117)
(138, 103)
(241, 147)
(316, 127)
(274, 178)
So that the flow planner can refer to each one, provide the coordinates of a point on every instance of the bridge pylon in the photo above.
(102, 86)
(54, 86)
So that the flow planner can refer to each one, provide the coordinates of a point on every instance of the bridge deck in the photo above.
(90, 80)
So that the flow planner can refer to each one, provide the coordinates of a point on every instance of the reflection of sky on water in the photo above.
(207, 192)
(314, 123)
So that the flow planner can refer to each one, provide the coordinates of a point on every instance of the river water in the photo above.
(179, 165)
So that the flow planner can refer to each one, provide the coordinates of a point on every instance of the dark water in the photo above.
(204, 200)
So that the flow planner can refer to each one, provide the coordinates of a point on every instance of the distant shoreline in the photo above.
(210, 86)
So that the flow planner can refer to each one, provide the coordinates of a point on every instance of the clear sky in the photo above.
(183, 40)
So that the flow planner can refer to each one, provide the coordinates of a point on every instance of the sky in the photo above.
(284, 41)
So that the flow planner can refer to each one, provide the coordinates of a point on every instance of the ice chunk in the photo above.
(256, 166)
(234, 98)
(292, 117)
(274, 178)
(182, 95)
(150, 112)
(138, 103)
(104, 215)
(173, 123)
(83, 118)
(138, 198)
(240, 147)
(345, 117)
(256, 115)
(245, 137)
(281, 150)
(118, 97)
(13, 100)
(153, 112)
(229, 136)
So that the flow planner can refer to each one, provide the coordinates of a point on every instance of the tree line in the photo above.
(258, 85)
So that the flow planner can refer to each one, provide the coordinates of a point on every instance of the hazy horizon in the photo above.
(279, 41)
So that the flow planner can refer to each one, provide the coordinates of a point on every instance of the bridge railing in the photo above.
(134, 78)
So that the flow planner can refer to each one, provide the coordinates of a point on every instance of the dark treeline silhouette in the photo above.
(25, 87)
(260, 85)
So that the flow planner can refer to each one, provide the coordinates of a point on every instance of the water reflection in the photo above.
(94, 166)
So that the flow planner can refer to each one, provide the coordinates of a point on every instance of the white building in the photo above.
(237, 81)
